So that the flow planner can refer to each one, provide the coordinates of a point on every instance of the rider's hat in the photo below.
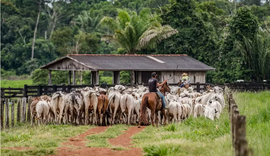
(184, 74)
(154, 74)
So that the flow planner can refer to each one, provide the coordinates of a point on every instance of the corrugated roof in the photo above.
(114, 62)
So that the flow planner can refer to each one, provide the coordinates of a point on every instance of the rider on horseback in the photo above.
(153, 84)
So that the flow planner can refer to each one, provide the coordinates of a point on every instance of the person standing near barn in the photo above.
(153, 84)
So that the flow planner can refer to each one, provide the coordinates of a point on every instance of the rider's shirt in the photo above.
(152, 83)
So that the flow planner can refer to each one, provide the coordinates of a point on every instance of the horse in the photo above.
(151, 101)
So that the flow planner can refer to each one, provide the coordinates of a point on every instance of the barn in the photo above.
(169, 67)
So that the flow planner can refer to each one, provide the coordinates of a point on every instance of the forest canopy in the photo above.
(233, 37)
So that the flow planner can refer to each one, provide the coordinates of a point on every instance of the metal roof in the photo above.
(114, 62)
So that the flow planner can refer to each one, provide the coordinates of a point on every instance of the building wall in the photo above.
(175, 76)
(172, 76)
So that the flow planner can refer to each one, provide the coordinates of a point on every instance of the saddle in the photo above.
(158, 96)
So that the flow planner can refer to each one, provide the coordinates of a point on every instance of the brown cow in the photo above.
(33, 109)
(102, 108)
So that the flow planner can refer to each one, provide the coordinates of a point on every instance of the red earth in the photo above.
(76, 146)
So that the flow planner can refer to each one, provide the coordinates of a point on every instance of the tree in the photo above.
(197, 36)
(54, 14)
(256, 52)
(35, 32)
(88, 21)
(133, 31)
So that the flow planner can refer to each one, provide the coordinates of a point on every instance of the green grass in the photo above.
(15, 83)
(194, 136)
(256, 108)
(101, 139)
(43, 139)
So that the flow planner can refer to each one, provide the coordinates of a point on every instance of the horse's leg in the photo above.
(165, 118)
(156, 118)
(152, 117)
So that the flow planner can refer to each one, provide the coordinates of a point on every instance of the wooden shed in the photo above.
(169, 67)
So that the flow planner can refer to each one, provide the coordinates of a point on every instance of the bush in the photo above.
(160, 150)
(40, 77)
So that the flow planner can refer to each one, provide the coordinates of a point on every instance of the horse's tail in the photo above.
(143, 110)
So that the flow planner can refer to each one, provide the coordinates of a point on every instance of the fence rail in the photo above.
(49, 90)
(249, 86)
(238, 127)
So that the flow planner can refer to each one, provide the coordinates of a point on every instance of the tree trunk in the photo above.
(53, 27)
(34, 39)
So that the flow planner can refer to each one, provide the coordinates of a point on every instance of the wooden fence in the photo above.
(249, 86)
(49, 90)
(238, 127)
(14, 111)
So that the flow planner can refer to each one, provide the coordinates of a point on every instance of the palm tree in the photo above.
(133, 31)
(87, 21)
(256, 52)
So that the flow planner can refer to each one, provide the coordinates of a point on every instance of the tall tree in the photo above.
(35, 32)
(196, 36)
(133, 31)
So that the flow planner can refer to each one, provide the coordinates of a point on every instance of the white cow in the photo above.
(58, 103)
(114, 103)
(127, 102)
(198, 110)
(42, 109)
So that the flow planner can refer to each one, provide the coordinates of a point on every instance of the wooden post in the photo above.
(54, 88)
(74, 77)
(95, 77)
(25, 91)
(132, 77)
(2, 114)
(240, 136)
(2, 93)
(23, 109)
(139, 74)
(198, 87)
(7, 114)
(50, 77)
(235, 115)
(116, 77)
(19, 110)
(39, 90)
(69, 77)
(64, 88)
(81, 76)
(28, 108)
(12, 112)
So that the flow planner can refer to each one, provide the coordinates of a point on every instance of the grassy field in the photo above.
(42, 139)
(256, 106)
(15, 83)
(195, 136)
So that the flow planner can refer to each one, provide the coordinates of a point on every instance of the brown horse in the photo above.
(151, 101)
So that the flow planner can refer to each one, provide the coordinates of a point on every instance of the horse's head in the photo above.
(166, 87)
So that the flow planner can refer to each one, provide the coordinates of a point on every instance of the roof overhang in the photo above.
(114, 62)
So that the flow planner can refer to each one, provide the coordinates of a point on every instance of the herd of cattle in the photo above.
(121, 104)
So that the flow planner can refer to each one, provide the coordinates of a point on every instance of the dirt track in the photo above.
(77, 145)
